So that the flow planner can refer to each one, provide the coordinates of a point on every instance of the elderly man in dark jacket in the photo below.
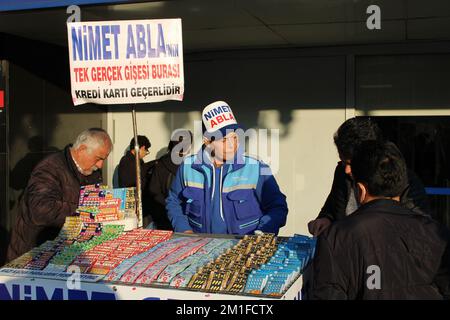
(53, 190)
(383, 250)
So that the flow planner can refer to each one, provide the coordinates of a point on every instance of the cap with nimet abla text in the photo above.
(218, 120)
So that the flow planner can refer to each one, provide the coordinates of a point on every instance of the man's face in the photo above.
(92, 160)
(225, 148)
(143, 152)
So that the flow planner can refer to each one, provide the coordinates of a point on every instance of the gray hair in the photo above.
(92, 138)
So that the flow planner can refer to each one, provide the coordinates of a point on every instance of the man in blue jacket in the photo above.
(220, 190)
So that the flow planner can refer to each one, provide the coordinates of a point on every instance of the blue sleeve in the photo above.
(175, 212)
(272, 201)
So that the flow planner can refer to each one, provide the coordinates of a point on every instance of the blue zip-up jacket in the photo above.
(249, 200)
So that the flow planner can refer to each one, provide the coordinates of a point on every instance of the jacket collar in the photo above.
(131, 157)
(388, 206)
(70, 163)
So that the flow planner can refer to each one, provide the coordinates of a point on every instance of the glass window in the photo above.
(425, 144)
(403, 81)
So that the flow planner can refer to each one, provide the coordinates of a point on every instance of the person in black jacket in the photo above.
(341, 201)
(163, 173)
(127, 165)
(383, 250)
(127, 172)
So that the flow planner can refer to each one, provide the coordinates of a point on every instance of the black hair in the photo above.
(142, 141)
(381, 167)
(352, 133)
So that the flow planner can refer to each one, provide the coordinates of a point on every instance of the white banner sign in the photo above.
(126, 62)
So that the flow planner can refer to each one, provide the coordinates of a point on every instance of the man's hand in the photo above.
(316, 227)
(189, 232)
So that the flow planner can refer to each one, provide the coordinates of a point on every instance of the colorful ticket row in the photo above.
(99, 204)
(229, 272)
(184, 250)
(71, 228)
(288, 262)
(179, 274)
(148, 268)
(175, 270)
(39, 257)
(103, 258)
(84, 242)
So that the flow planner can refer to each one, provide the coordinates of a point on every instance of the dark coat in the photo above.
(163, 173)
(127, 179)
(411, 250)
(413, 197)
(127, 171)
(52, 194)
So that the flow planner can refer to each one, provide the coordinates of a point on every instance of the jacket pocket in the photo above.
(251, 224)
(244, 203)
(246, 209)
(196, 226)
(193, 199)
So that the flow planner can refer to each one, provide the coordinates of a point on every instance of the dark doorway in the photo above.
(425, 144)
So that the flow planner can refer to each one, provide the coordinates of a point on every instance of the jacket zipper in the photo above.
(213, 182)
(220, 196)
(220, 189)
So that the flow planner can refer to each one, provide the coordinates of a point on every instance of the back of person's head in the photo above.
(178, 136)
(93, 138)
(142, 141)
(380, 166)
(352, 133)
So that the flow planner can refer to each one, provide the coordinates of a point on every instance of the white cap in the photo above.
(218, 116)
